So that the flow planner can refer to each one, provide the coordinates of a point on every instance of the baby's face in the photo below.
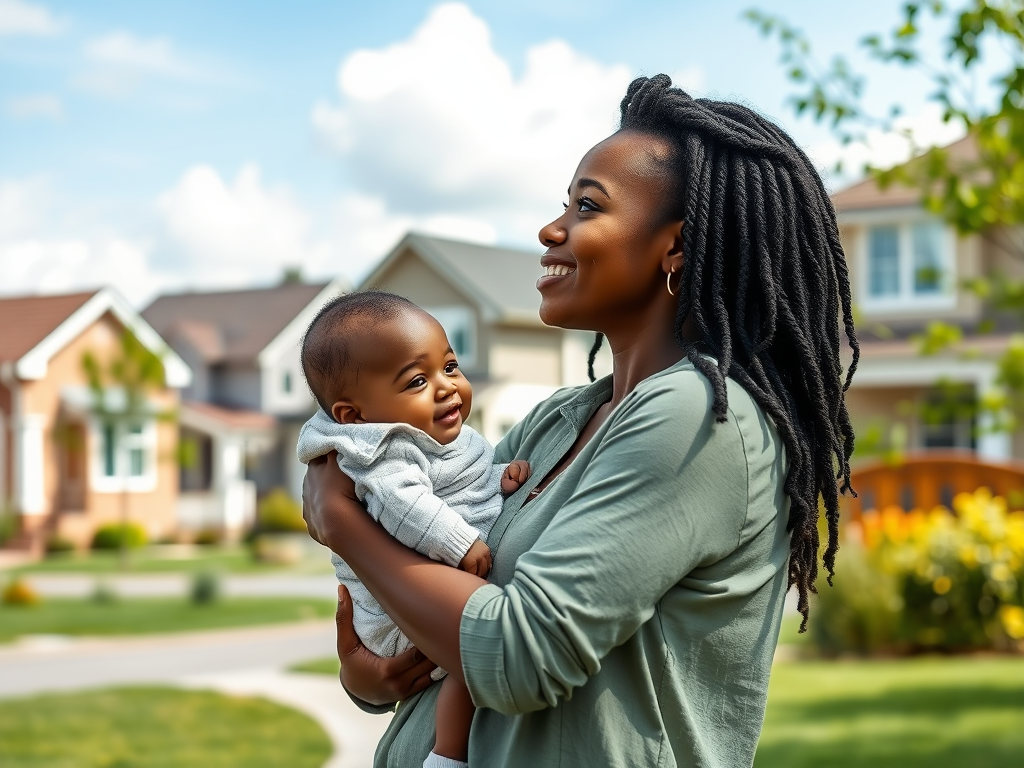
(410, 376)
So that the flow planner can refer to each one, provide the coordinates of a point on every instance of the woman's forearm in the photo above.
(424, 598)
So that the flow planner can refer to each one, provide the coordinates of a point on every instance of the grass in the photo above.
(156, 728)
(934, 712)
(234, 559)
(329, 666)
(149, 615)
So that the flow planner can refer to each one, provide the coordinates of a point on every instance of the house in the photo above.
(241, 414)
(64, 469)
(486, 299)
(907, 268)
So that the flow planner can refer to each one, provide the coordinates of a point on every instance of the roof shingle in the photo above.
(27, 320)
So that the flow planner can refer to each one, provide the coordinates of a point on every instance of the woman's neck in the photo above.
(640, 353)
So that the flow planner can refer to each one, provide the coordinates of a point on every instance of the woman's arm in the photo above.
(425, 598)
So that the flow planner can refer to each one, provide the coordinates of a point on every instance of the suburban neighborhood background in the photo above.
(159, 593)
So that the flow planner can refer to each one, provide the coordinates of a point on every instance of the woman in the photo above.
(639, 576)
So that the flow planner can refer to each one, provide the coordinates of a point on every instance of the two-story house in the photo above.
(486, 299)
(241, 415)
(908, 267)
(69, 462)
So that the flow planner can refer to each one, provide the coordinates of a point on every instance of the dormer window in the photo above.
(908, 265)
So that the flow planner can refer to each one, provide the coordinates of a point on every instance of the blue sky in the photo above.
(159, 146)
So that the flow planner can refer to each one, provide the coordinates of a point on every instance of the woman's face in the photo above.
(608, 253)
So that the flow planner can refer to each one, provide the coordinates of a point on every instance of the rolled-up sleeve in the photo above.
(649, 506)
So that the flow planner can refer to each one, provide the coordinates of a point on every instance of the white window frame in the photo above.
(907, 300)
(125, 441)
(452, 316)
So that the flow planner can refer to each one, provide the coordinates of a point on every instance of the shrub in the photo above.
(8, 524)
(278, 512)
(205, 588)
(207, 537)
(103, 593)
(110, 536)
(929, 580)
(18, 592)
(56, 545)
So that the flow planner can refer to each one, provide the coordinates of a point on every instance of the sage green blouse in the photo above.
(634, 605)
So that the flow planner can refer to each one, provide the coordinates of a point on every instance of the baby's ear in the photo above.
(345, 412)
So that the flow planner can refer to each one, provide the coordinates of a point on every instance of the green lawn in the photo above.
(140, 616)
(915, 713)
(237, 559)
(156, 728)
(329, 666)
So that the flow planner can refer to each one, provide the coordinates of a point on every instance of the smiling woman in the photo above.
(639, 574)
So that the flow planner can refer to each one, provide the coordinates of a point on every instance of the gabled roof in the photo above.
(27, 320)
(866, 194)
(502, 281)
(232, 326)
(35, 328)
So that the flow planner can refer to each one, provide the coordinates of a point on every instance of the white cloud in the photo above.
(39, 265)
(21, 206)
(883, 149)
(235, 233)
(36, 105)
(124, 49)
(439, 126)
(20, 18)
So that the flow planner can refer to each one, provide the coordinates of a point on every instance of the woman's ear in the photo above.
(345, 412)
(673, 258)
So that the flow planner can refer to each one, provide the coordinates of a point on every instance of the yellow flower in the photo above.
(942, 585)
(1012, 619)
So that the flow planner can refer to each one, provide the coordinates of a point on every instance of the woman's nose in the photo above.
(552, 234)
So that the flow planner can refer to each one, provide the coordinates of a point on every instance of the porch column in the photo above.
(29, 458)
(992, 446)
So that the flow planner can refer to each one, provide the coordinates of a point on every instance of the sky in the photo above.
(168, 146)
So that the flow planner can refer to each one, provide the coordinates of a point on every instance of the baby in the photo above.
(393, 402)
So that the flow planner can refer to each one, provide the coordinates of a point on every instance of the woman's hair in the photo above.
(765, 285)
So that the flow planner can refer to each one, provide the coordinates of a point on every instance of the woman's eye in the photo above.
(586, 204)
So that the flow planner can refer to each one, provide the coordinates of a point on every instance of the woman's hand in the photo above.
(324, 481)
(375, 679)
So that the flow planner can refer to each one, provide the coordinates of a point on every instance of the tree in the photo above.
(120, 402)
(982, 194)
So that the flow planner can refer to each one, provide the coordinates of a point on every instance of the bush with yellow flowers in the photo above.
(938, 580)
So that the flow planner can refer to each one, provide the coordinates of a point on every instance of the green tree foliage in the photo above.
(981, 193)
(120, 391)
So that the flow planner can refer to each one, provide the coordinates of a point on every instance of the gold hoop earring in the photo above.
(668, 285)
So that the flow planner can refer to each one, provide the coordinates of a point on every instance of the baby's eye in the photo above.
(451, 367)
(419, 381)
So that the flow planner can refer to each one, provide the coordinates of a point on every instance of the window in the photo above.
(286, 382)
(126, 455)
(909, 265)
(948, 418)
(458, 325)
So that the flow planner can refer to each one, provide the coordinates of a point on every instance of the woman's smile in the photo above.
(555, 270)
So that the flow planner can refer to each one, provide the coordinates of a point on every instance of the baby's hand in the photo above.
(478, 560)
(515, 474)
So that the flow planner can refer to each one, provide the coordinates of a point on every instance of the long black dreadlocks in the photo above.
(765, 283)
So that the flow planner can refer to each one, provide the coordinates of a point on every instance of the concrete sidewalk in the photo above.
(249, 661)
(175, 584)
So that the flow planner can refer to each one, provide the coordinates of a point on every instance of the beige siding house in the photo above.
(64, 471)
(907, 268)
(486, 299)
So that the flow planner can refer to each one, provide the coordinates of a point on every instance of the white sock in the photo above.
(437, 761)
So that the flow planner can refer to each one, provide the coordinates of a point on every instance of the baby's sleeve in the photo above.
(400, 496)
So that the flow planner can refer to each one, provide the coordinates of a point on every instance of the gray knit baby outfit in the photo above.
(436, 499)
